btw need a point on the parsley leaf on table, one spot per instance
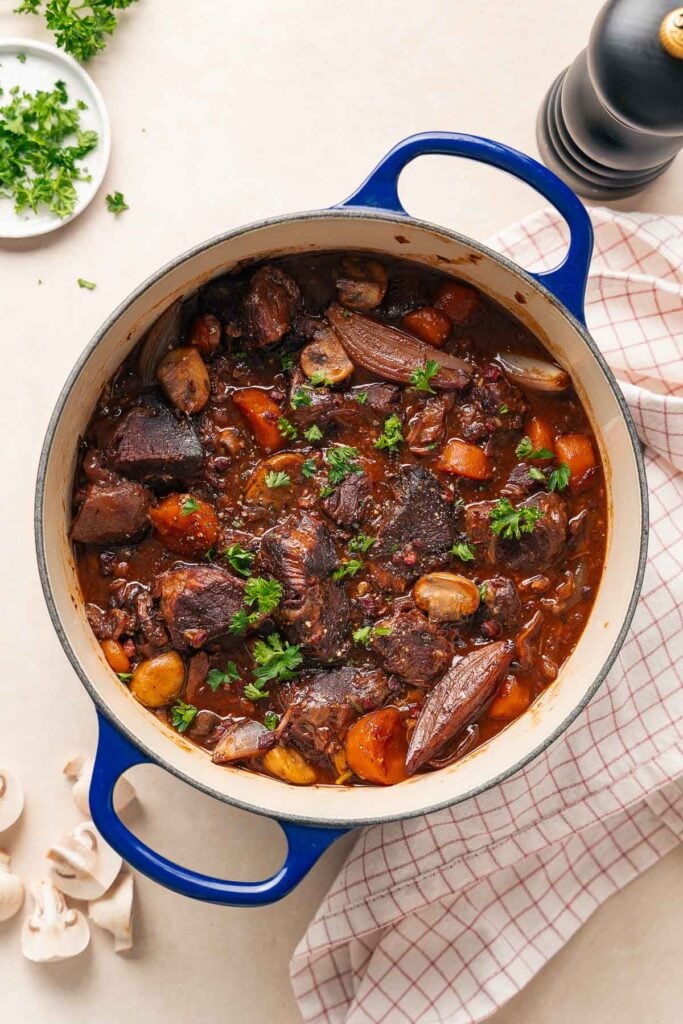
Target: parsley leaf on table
(116, 203)
(89, 286)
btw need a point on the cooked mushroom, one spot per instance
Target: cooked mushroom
(11, 800)
(83, 865)
(393, 355)
(243, 740)
(11, 889)
(362, 283)
(533, 374)
(184, 378)
(325, 358)
(446, 596)
(266, 487)
(162, 336)
(114, 912)
(52, 931)
(79, 771)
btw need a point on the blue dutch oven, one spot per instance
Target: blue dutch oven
(551, 304)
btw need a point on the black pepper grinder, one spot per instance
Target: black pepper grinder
(612, 122)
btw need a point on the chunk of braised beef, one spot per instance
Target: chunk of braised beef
(150, 624)
(314, 611)
(154, 446)
(110, 624)
(501, 609)
(382, 397)
(519, 484)
(197, 671)
(270, 304)
(222, 298)
(414, 648)
(321, 706)
(419, 522)
(492, 404)
(427, 427)
(112, 512)
(532, 551)
(348, 502)
(407, 289)
(308, 405)
(198, 603)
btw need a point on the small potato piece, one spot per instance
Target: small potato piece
(446, 596)
(511, 700)
(429, 324)
(257, 491)
(115, 655)
(158, 681)
(261, 414)
(185, 379)
(577, 452)
(185, 525)
(362, 283)
(464, 459)
(206, 334)
(541, 436)
(376, 747)
(289, 765)
(325, 355)
(457, 300)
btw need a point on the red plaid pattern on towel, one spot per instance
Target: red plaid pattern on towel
(441, 919)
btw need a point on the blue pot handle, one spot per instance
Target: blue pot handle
(568, 281)
(115, 754)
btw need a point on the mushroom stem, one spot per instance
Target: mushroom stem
(114, 912)
(82, 865)
(52, 931)
(11, 889)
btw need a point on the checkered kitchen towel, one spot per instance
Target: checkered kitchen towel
(444, 918)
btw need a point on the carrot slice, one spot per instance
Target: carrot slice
(185, 525)
(429, 324)
(458, 301)
(464, 459)
(376, 747)
(115, 655)
(577, 452)
(512, 699)
(541, 435)
(262, 415)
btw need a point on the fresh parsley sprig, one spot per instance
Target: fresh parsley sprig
(221, 677)
(183, 715)
(526, 450)
(80, 27)
(420, 378)
(392, 436)
(239, 559)
(510, 523)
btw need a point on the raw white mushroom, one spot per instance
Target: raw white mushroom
(11, 800)
(52, 931)
(11, 889)
(114, 912)
(79, 770)
(83, 865)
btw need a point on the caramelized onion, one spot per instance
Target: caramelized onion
(243, 740)
(391, 354)
(532, 374)
(163, 335)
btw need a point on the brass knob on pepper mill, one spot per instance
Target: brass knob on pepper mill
(612, 122)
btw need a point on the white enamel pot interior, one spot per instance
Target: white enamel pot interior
(519, 293)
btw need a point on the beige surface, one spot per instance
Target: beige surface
(223, 113)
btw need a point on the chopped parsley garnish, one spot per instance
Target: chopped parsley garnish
(239, 622)
(361, 397)
(503, 409)
(239, 558)
(125, 677)
(341, 462)
(392, 436)
(366, 634)
(509, 522)
(349, 567)
(271, 720)
(465, 552)
(217, 677)
(42, 146)
(308, 468)
(262, 593)
(188, 506)
(300, 398)
(421, 377)
(286, 361)
(252, 691)
(21, 57)
(559, 478)
(287, 429)
(79, 28)
(88, 285)
(313, 433)
(319, 379)
(277, 479)
(116, 203)
(275, 660)
(182, 715)
(361, 542)
(536, 474)
(482, 591)
(526, 450)
(326, 491)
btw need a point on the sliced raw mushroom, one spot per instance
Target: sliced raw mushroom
(114, 912)
(260, 489)
(83, 865)
(243, 740)
(79, 771)
(11, 800)
(325, 357)
(532, 374)
(184, 378)
(362, 283)
(162, 336)
(446, 596)
(11, 889)
(52, 931)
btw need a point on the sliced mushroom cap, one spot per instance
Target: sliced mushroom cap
(446, 596)
(79, 771)
(243, 740)
(11, 800)
(114, 912)
(52, 931)
(162, 336)
(325, 355)
(11, 889)
(532, 374)
(257, 491)
(83, 865)
(184, 378)
(362, 283)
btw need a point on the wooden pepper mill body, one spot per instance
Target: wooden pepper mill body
(613, 120)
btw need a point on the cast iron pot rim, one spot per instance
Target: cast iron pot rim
(332, 214)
